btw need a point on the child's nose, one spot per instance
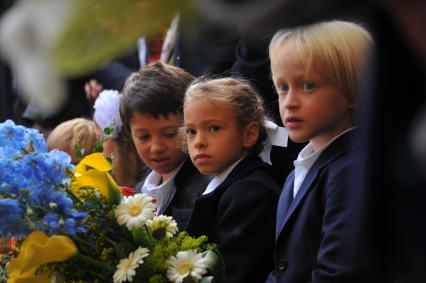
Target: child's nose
(200, 141)
(157, 146)
(291, 100)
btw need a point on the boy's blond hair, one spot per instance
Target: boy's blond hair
(79, 130)
(336, 49)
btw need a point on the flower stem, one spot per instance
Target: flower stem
(93, 262)
(142, 236)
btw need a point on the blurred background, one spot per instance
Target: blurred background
(57, 55)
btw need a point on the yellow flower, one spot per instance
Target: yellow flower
(92, 172)
(36, 250)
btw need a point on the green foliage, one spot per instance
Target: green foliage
(108, 131)
(99, 30)
(79, 152)
(156, 262)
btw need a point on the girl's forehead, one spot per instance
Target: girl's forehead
(204, 100)
(207, 108)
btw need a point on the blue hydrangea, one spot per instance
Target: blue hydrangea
(55, 223)
(11, 218)
(33, 184)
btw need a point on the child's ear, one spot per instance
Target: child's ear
(251, 134)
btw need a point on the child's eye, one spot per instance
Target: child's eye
(190, 132)
(143, 137)
(283, 89)
(170, 134)
(214, 128)
(308, 86)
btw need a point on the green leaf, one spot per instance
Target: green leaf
(142, 237)
(208, 279)
(108, 131)
(79, 152)
(100, 30)
(215, 265)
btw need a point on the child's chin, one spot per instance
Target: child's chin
(204, 171)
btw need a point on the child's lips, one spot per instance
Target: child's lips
(202, 158)
(293, 122)
(160, 161)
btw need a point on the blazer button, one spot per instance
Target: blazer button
(281, 265)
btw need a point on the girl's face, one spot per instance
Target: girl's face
(311, 109)
(157, 142)
(214, 138)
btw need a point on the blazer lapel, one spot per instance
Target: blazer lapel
(208, 202)
(304, 188)
(340, 146)
(284, 203)
(245, 167)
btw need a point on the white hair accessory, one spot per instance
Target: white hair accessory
(107, 113)
(277, 136)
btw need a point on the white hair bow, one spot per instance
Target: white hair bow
(277, 136)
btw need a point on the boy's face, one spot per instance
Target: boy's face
(157, 142)
(311, 109)
(213, 136)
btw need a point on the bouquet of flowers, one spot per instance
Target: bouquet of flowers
(75, 224)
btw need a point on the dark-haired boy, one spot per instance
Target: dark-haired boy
(151, 109)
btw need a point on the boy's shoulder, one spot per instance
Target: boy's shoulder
(190, 184)
(139, 184)
(344, 149)
(188, 173)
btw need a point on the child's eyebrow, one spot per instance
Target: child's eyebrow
(204, 122)
(212, 121)
(170, 128)
(140, 129)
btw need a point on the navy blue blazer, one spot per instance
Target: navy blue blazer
(239, 215)
(311, 230)
(189, 184)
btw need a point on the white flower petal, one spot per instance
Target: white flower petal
(186, 263)
(163, 222)
(126, 268)
(135, 210)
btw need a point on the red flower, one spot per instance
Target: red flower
(126, 191)
(8, 245)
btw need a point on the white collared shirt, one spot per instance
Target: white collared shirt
(153, 188)
(306, 159)
(217, 180)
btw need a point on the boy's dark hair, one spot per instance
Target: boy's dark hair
(156, 90)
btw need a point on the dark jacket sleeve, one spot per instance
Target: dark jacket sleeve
(333, 261)
(246, 225)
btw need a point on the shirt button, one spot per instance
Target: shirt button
(281, 265)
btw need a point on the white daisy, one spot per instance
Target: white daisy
(184, 264)
(161, 226)
(135, 210)
(126, 269)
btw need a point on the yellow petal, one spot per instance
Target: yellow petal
(42, 278)
(96, 161)
(101, 181)
(92, 171)
(38, 249)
